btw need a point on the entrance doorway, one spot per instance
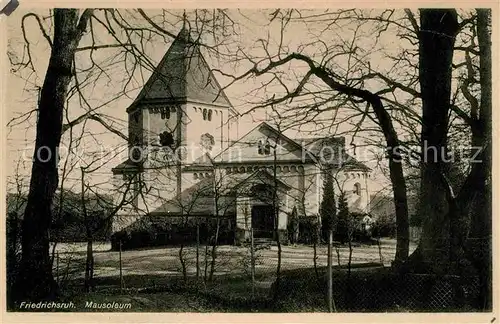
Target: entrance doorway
(263, 221)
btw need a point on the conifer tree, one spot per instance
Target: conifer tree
(328, 209)
(343, 219)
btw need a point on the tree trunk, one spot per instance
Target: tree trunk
(276, 208)
(205, 269)
(89, 265)
(394, 154)
(330, 265)
(214, 247)
(35, 280)
(315, 259)
(437, 38)
(480, 236)
(183, 263)
(401, 205)
(197, 251)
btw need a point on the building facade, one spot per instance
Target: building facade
(182, 162)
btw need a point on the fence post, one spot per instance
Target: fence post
(252, 262)
(120, 261)
(330, 284)
(338, 255)
(380, 251)
(197, 251)
(57, 267)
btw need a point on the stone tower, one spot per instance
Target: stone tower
(181, 109)
(181, 99)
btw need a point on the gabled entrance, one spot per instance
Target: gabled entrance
(263, 224)
(261, 202)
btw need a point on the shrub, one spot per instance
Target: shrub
(141, 238)
(384, 226)
(308, 230)
(174, 231)
(116, 238)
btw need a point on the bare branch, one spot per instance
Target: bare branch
(413, 21)
(97, 47)
(42, 29)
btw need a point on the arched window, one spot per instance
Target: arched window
(357, 189)
(261, 147)
(165, 113)
(264, 147)
(204, 114)
(267, 148)
(166, 139)
(209, 115)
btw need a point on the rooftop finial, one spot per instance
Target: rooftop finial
(184, 19)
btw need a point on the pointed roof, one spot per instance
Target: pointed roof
(197, 199)
(294, 149)
(183, 75)
(310, 148)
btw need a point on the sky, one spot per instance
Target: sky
(252, 26)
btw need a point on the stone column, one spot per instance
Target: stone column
(243, 220)
(282, 225)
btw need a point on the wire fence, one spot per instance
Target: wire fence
(362, 279)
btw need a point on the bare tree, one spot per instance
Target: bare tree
(342, 75)
(73, 34)
(345, 92)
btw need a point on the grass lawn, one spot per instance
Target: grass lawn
(226, 293)
(153, 278)
(232, 260)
